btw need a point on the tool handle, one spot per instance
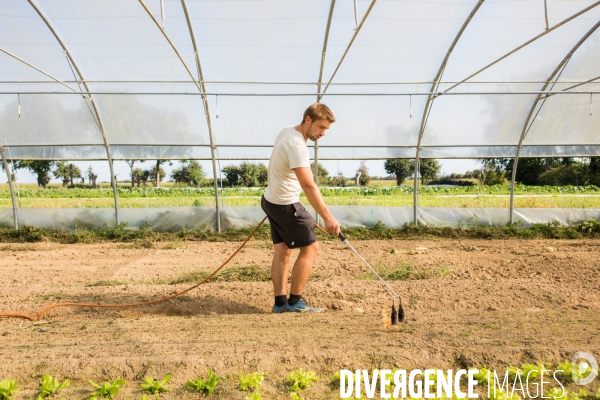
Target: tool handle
(342, 237)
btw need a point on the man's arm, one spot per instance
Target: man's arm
(315, 199)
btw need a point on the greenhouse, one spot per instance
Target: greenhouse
(218, 80)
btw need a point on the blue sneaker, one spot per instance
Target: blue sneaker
(279, 310)
(302, 307)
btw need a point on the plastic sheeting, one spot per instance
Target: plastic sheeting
(275, 49)
(177, 218)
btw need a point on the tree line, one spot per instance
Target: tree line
(530, 171)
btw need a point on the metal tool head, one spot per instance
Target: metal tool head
(394, 315)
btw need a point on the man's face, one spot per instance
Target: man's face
(316, 129)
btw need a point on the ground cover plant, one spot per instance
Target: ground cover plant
(107, 389)
(8, 387)
(251, 381)
(152, 386)
(50, 386)
(299, 380)
(206, 386)
(553, 230)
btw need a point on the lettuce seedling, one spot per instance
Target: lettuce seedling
(482, 375)
(207, 386)
(8, 387)
(255, 396)
(251, 381)
(50, 386)
(151, 386)
(300, 380)
(294, 396)
(107, 390)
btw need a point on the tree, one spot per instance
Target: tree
(232, 173)
(159, 173)
(399, 167)
(322, 173)
(429, 168)
(190, 173)
(253, 174)
(156, 173)
(138, 176)
(362, 174)
(66, 172)
(91, 176)
(338, 180)
(131, 163)
(491, 175)
(41, 168)
(247, 174)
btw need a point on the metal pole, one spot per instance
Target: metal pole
(202, 88)
(97, 118)
(546, 13)
(12, 192)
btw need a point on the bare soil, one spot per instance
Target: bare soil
(469, 303)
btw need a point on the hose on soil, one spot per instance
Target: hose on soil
(145, 303)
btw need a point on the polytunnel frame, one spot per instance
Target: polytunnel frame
(97, 117)
(527, 125)
(433, 95)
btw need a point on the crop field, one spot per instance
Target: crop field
(170, 196)
(469, 303)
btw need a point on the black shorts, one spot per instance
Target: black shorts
(290, 223)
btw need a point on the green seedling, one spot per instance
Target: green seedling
(598, 394)
(8, 387)
(294, 396)
(50, 386)
(251, 381)
(151, 386)
(107, 390)
(556, 393)
(144, 397)
(300, 380)
(566, 370)
(255, 396)
(482, 375)
(207, 386)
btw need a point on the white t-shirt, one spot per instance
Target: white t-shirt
(290, 151)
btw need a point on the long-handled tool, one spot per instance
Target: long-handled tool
(396, 316)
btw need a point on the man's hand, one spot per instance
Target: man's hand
(332, 226)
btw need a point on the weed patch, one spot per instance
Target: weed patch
(406, 272)
(250, 273)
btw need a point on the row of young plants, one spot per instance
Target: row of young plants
(589, 229)
(295, 382)
(136, 192)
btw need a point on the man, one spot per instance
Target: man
(291, 225)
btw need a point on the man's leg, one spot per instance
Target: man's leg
(280, 268)
(302, 267)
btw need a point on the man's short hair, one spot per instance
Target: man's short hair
(317, 112)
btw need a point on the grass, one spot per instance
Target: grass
(405, 272)
(393, 196)
(108, 283)
(146, 238)
(250, 273)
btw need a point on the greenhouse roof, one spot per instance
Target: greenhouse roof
(166, 79)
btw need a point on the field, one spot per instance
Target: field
(469, 303)
(376, 195)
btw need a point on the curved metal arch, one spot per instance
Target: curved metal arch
(319, 84)
(39, 70)
(97, 118)
(542, 98)
(429, 104)
(206, 110)
(561, 23)
(362, 22)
